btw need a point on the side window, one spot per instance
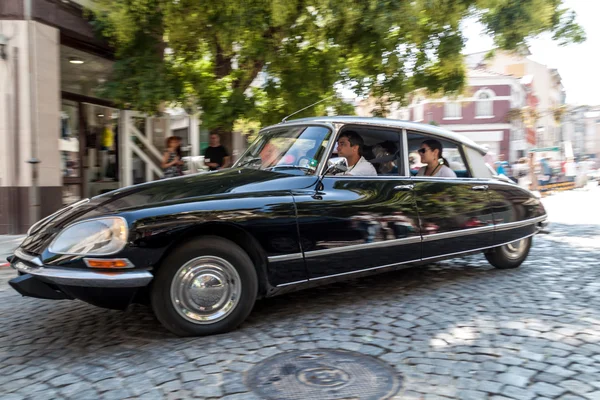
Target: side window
(450, 151)
(381, 148)
(479, 168)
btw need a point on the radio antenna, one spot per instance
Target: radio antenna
(314, 104)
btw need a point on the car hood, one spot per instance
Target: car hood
(191, 187)
(208, 185)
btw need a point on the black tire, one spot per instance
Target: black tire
(211, 247)
(505, 257)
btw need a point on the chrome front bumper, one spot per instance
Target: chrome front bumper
(78, 277)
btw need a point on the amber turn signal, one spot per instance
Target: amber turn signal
(108, 263)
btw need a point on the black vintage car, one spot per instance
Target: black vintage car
(202, 248)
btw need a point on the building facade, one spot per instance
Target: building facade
(481, 114)
(60, 139)
(546, 85)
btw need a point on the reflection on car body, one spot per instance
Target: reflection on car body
(200, 249)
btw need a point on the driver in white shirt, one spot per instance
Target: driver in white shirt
(350, 145)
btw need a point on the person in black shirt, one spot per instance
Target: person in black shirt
(216, 156)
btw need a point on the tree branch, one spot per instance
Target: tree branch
(222, 63)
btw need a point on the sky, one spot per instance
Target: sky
(577, 64)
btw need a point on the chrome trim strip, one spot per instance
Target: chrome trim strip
(518, 224)
(293, 283)
(409, 262)
(362, 246)
(73, 277)
(458, 233)
(24, 256)
(364, 270)
(322, 167)
(477, 249)
(285, 257)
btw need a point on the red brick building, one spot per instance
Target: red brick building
(482, 114)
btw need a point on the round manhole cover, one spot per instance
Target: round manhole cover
(324, 375)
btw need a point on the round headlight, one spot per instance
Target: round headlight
(97, 237)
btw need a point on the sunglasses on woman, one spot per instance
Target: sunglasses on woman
(423, 150)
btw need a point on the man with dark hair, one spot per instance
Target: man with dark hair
(350, 145)
(216, 156)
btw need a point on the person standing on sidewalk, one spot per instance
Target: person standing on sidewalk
(171, 162)
(216, 156)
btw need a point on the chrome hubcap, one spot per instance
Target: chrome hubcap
(516, 249)
(206, 290)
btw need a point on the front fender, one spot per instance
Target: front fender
(270, 220)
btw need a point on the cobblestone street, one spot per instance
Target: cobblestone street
(454, 329)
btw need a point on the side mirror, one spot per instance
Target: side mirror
(337, 164)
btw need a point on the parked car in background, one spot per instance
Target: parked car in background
(202, 248)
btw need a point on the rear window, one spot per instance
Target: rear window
(479, 168)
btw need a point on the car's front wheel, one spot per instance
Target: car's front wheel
(510, 255)
(206, 286)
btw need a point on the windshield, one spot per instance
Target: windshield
(292, 149)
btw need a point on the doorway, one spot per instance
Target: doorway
(89, 146)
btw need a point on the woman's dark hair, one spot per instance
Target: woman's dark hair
(169, 140)
(436, 145)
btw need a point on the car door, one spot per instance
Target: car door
(455, 213)
(357, 223)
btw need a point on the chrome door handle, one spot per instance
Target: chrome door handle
(404, 187)
(482, 187)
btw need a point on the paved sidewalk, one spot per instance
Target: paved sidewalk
(8, 243)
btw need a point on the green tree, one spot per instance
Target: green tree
(207, 55)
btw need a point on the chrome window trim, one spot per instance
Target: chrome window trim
(392, 123)
(80, 278)
(458, 233)
(406, 166)
(362, 246)
(285, 257)
(465, 156)
(26, 257)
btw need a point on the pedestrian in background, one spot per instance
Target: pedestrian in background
(216, 156)
(171, 163)
(532, 172)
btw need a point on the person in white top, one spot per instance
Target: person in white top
(350, 145)
(437, 165)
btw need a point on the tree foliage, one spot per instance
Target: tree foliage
(264, 59)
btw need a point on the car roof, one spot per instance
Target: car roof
(387, 122)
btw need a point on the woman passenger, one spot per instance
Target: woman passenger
(437, 165)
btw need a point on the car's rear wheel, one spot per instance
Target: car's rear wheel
(206, 286)
(510, 255)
